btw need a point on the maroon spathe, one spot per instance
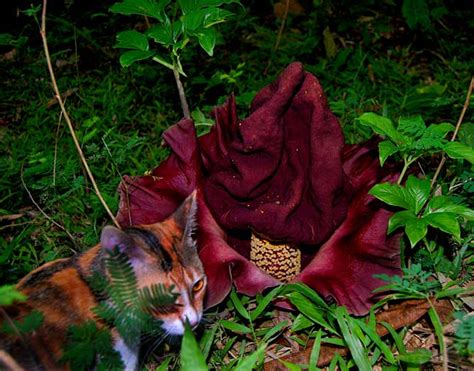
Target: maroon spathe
(285, 174)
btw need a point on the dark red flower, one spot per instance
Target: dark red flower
(283, 174)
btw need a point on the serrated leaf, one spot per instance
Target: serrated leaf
(161, 34)
(399, 219)
(446, 222)
(9, 294)
(413, 127)
(191, 356)
(207, 39)
(416, 13)
(416, 229)
(132, 40)
(132, 56)
(418, 191)
(383, 126)
(459, 151)
(149, 8)
(391, 194)
(386, 149)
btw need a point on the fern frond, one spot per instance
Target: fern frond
(123, 283)
(157, 299)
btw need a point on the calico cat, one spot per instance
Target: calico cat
(159, 253)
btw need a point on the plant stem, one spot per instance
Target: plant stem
(182, 95)
(458, 126)
(66, 115)
(404, 170)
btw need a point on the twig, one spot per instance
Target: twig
(40, 209)
(182, 95)
(280, 33)
(458, 126)
(8, 361)
(66, 115)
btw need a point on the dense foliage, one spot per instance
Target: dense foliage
(380, 63)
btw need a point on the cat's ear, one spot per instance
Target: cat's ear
(112, 237)
(185, 216)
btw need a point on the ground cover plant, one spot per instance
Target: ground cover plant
(401, 70)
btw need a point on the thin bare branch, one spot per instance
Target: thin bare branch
(458, 126)
(66, 115)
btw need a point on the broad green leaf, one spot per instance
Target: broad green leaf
(416, 13)
(413, 127)
(9, 294)
(309, 310)
(132, 40)
(416, 357)
(399, 219)
(386, 149)
(391, 194)
(207, 39)
(238, 305)
(383, 126)
(130, 57)
(306, 291)
(439, 130)
(416, 229)
(358, 351)
(444, 204)
(459, 151)
(161, 33)
(235, 327)
(191, 5)
(446, 222)
(190, 355)
(249, 362)
(203, 18)
(418, 191)
(149, 8)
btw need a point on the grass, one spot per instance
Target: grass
(48, 209)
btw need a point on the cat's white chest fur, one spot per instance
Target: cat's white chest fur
(128, 355)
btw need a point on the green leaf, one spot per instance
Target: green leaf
(290, 366)
(413, 127)
(416, 357)
(416, 229)
(132, 40)
(163, 62)
(416, 13)
(264, 303)
(9, 294)
(203, 18)
(445, 204)
(391, 194)
(309, 310)
(274, 330)
(383, 126)
(149, 8)
(386, 149)
(418, 191)
(27, 324)
(314, 356)
(207, 39)
(161, 34)
(191, 5)
(235, 327)
(190, 356)
(459, 151)
(372, 334)
(132, 56)
(307, 291)
(446, 222)
(207, 340)
(358, 351)
(238, 305)
(248, 363)
(399, 219)
(301, 322)
(329, 43)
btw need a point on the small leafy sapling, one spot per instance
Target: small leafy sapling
(173, 24)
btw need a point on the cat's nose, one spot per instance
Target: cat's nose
(192, 318)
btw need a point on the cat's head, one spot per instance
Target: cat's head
(166, 253)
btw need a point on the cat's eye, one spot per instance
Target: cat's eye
(198, 285)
